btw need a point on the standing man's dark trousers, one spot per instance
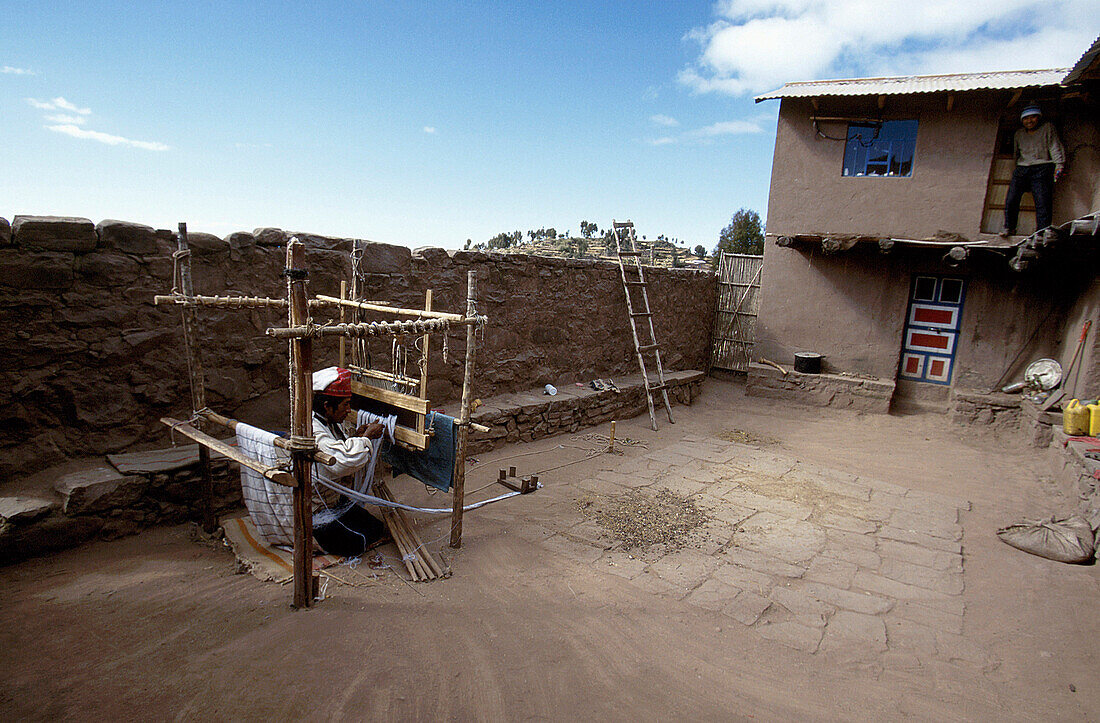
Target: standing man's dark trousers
(1039, 179)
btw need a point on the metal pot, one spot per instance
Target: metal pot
(807, 362)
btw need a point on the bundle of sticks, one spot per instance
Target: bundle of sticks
(414, 553)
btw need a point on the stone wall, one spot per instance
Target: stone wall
(91, 364)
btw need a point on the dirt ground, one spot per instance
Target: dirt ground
(544, 618)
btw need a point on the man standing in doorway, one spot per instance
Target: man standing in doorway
(1039, 163)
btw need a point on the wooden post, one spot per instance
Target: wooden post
(464, 414)
(343, 339)
(195, 374)
(301, 427)
(425, 342)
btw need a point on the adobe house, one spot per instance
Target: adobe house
(882, 251)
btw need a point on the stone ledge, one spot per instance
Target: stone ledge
(820, 390)
(100, 501)
(971, 406)
(527, 416)
(1077, 475)
(1037, 426)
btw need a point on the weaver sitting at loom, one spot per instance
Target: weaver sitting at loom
(340, 526)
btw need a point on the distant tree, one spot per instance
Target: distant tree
(677, 262)
(588, 230)
(701, 251)
(743, 235)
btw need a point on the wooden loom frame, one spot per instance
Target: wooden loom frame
(300, 333)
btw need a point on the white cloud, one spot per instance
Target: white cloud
(78, 132)
(429, 129)
(69, 125)
(706, 134)
(58, 103)
(726, 128)
(758, 45)
(9, 70)
(664, 120)
(67, 119)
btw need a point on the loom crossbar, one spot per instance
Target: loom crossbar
(276, 475)
(372, 306)
(231, 424)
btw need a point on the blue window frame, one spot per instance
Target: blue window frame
(880, 150)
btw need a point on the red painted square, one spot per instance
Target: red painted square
(930, 341)
(933, 316)
(912, 365)
(935, 369)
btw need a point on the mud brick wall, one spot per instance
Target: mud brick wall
(90, 364)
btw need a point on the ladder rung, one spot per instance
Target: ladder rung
(647, 347)
(635, 283)
(658, 387)
(630, 253)
(641, 313)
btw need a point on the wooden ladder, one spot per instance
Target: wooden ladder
(634, 282)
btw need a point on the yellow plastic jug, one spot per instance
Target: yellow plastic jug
(1094, 418)
(1075, 419)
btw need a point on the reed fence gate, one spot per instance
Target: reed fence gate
(738, 305)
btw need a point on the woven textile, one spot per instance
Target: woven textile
(270, 506)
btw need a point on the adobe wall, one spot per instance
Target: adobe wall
(851, 308)
(946, 191)
(91, 364)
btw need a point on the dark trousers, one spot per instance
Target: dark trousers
(1039, 180)
(351, 534)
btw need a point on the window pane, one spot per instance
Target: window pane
(880, 149)
(924, 289)
(878, 158)
(951, 291)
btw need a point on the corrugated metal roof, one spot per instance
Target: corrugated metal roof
(906, 85)
(1087, 60)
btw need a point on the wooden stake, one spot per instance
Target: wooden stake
(343, 311)
(611, 438)
(464, 414)
(425, 345)
(196, 377)
(301, 373)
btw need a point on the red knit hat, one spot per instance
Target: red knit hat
(333, 381)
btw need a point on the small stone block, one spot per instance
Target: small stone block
(793, 635)
(97, 489)
(747, 607)
(24, 509)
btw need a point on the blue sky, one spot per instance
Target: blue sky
(430, 123)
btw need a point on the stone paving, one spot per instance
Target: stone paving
(822, 561)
